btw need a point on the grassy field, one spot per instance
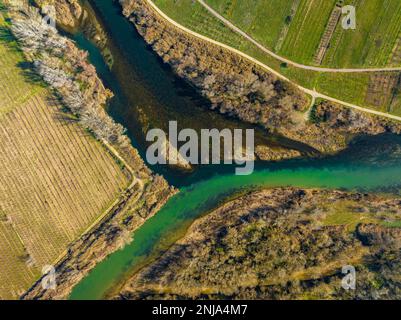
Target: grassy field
(306, 29)
(343, 214)
(372, 43)
(263, 19)
(11, 97)
(55, 178)
(352, 88)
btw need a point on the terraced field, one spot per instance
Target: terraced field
(56, 180)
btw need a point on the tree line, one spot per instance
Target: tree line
(65, 69)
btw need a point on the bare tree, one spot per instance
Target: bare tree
(68, 76)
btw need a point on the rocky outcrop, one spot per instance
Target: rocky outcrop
(240, 89)
(282, 244)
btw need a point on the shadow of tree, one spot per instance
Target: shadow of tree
(8, 39)
(63, 114)
(30, 75)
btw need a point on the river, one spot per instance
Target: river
(148, 95)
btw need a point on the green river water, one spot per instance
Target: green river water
(370, 164)
(158, 232)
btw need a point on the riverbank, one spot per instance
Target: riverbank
(282, 243)
(372, 173)
(83, 96)
(197, 199)
(240, 89)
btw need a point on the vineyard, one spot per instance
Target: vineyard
(327, 36)
(55, 178)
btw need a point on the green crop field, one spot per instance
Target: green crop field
(306, 29)
(374, 41)
(263, 19)
(349, 87)
(294, 28)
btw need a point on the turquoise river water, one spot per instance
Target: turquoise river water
(370, 164)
